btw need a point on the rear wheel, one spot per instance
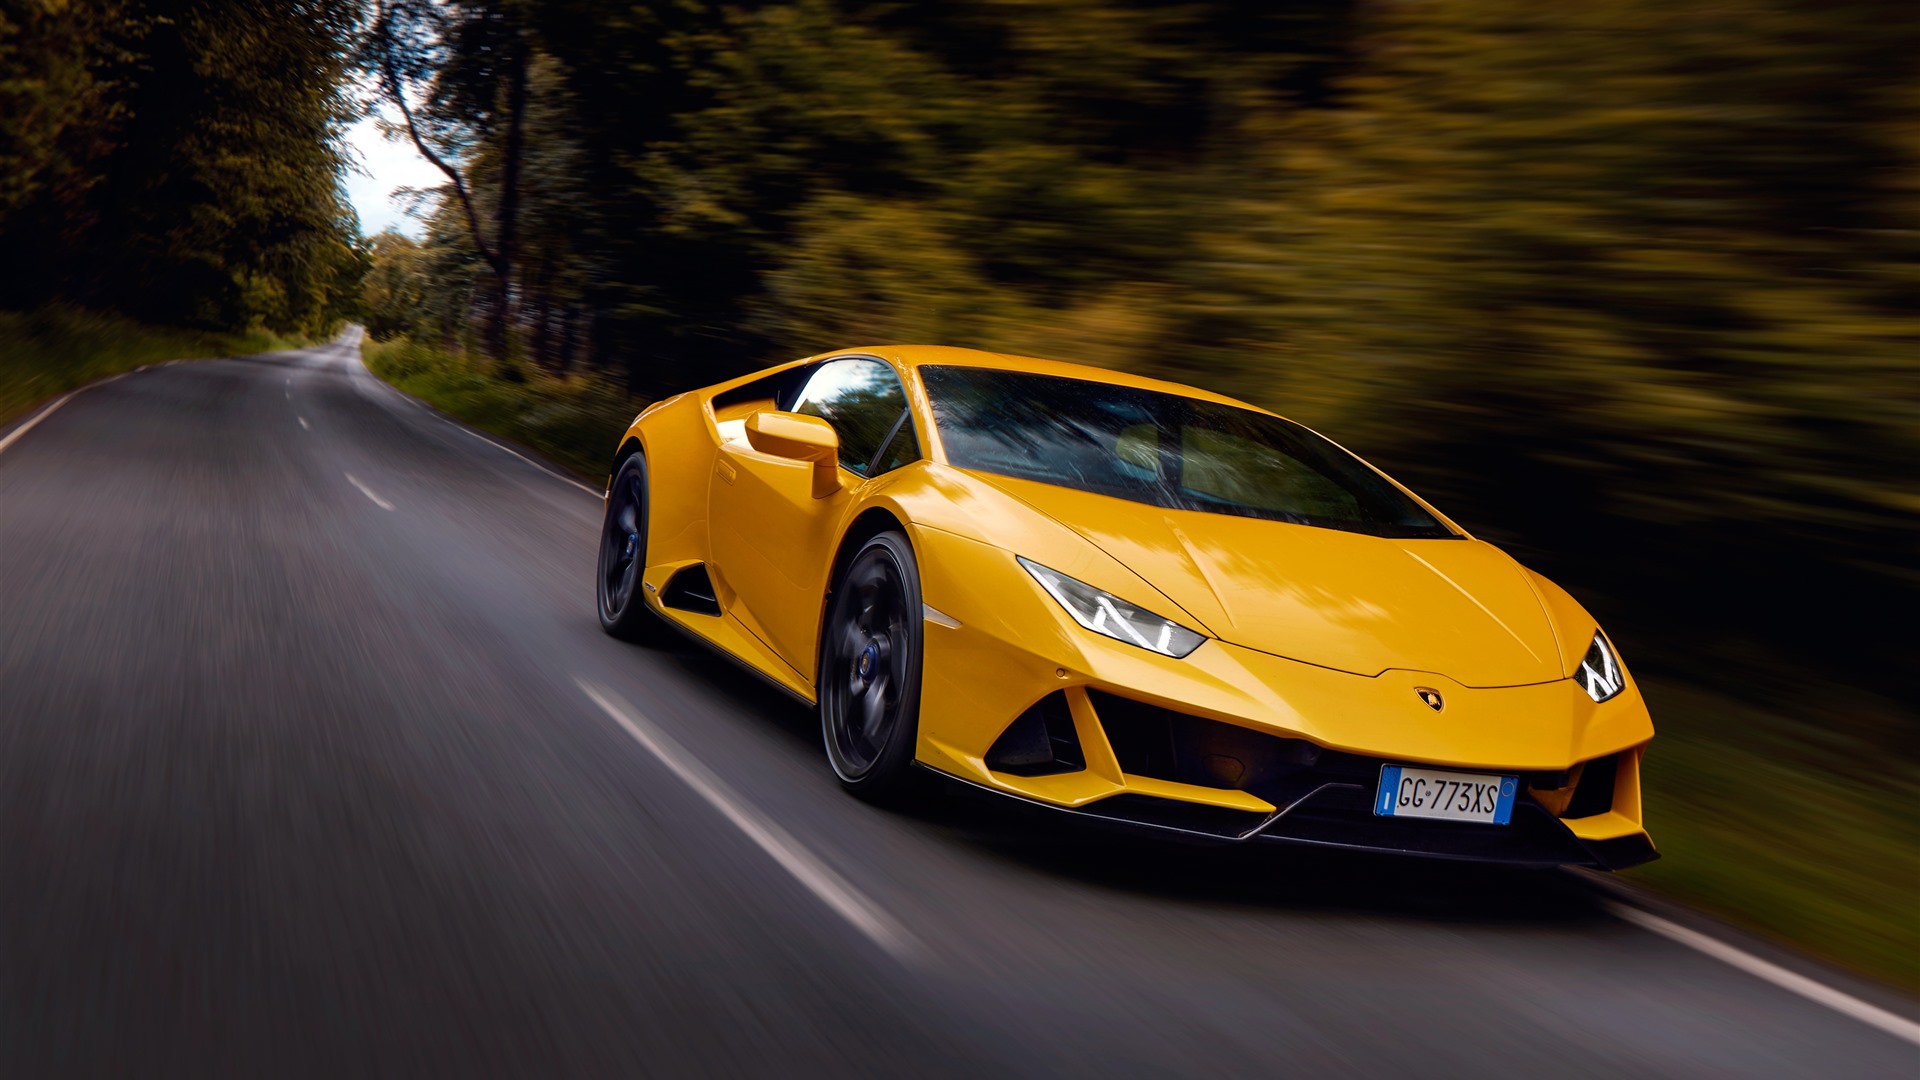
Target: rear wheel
(623, 558)
(869, 679)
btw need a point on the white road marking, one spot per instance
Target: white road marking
(59, 401)
(361, 375)
(832, 889)
(304, 424)
(521, 456)
(1813, 990)
(41, 415)
(367, 491)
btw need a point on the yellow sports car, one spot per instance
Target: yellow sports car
(1126, 599)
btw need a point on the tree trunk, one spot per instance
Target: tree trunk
(507, 214)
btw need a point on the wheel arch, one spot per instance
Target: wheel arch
(866, 525)
(629, 446)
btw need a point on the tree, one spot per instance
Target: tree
(179, 162)
(472, 60)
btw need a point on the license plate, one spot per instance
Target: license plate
(1438, 793)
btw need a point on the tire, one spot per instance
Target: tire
(869, 677)
(623, 558)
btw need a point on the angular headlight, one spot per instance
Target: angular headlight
(1599, 674)
(1105, 613)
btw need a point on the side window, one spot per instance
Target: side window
(863, 401)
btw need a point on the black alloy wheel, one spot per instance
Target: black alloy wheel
(623, 557)
(869, 679)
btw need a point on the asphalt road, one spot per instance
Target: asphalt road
(302, 773)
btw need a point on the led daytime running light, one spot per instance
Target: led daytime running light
(1104, 613)
(1599, 673)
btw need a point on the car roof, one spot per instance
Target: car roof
(917, 356)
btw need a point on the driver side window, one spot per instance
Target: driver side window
(864, 402)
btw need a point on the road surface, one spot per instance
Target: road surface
(313, 761)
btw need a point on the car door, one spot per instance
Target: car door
(773, 529)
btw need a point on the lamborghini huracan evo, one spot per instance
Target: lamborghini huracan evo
(1125, 599)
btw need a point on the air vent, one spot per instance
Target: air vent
(1040, 741)
(1166, 745)
(690, 589)
(1594, 795)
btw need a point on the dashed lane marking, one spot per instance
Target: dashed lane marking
(367, 491)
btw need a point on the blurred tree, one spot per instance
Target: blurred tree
(179, 162)
(1629, 285)
(468, 62)
(394, 291)
(1596, 275)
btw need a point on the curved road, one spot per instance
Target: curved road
(313, 761)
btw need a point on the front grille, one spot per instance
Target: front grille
(1324, 796)
(1166, 745)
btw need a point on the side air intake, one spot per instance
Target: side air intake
(1040, 742)
(690, 589)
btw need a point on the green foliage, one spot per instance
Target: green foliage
(571, 420)
(178, 161)
(46, 352)
(394, 292)
(1822, 856)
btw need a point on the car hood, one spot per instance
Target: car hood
(1356, 603)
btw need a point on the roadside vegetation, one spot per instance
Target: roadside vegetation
(572, 421)
(49, 351)
(169, 182)
(1806, 836)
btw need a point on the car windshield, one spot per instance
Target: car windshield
(1163, 450)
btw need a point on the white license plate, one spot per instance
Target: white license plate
(1439, 793)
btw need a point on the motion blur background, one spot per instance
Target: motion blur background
(1631, 287)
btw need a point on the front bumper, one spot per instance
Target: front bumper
(1277, 750)
(1333, 808)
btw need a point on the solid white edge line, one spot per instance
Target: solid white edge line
(368, 492)
(1793, 982)
(508, 449)
(29, 425)
(357, 365)
(806, 868)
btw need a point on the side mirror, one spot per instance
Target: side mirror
(799, 438)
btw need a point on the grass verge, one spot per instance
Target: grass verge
(51, 350)
(1767, 819)
(574, 421)
(1780, 825)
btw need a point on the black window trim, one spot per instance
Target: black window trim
(886, 444)
(906, 414)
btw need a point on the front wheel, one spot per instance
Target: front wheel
(869, 678)
(623, 558)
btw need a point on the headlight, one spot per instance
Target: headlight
(1105, 613)
(1599, 674)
